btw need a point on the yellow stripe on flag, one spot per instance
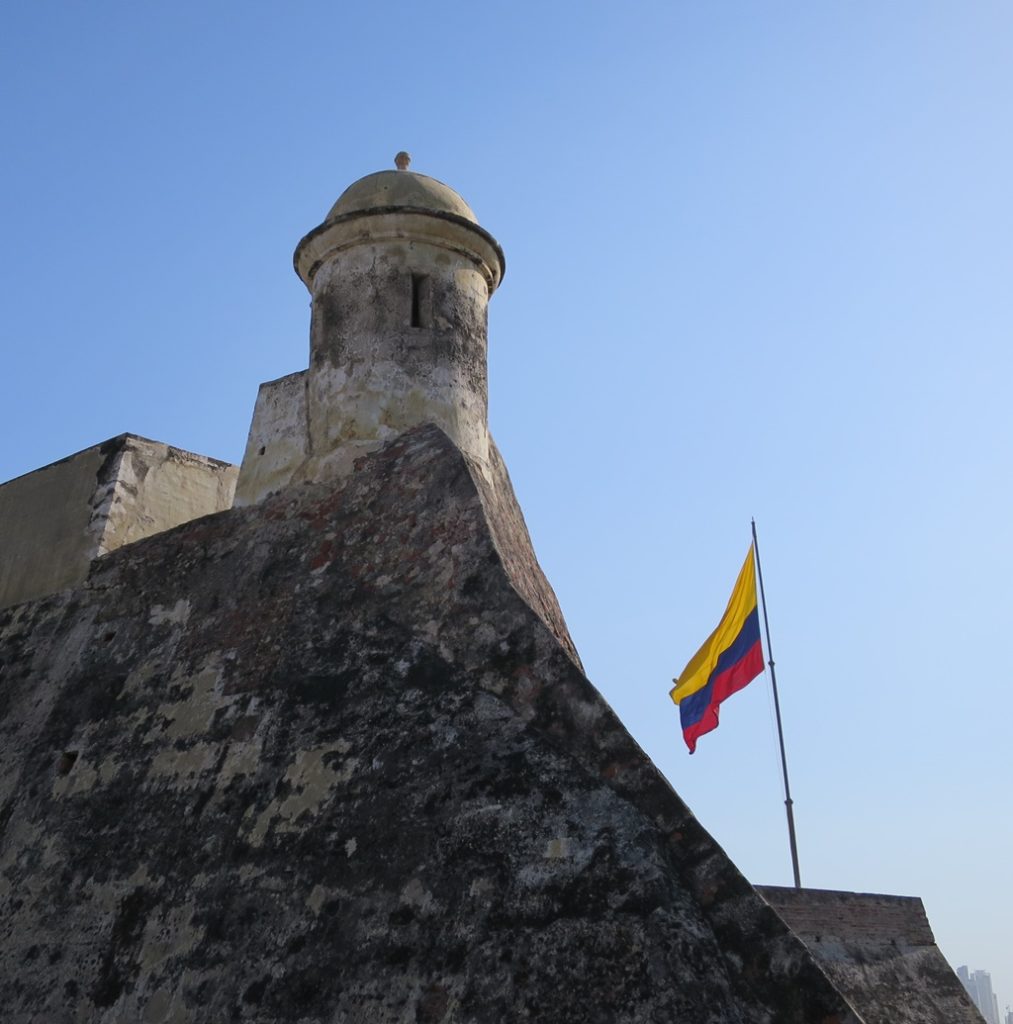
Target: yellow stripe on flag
(698, 671)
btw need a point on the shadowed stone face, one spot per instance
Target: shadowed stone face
(332, 758)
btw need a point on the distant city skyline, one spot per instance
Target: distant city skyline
(979, 987)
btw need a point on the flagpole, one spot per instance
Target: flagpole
(777, 712)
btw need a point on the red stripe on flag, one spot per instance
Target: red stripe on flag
(733, 679)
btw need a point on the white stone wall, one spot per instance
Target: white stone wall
(278, 443)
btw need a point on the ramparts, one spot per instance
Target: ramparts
(879, 951)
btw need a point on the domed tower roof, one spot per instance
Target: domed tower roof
(400, 190)
(391, 205)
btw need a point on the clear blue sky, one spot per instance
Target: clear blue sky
(759, 263)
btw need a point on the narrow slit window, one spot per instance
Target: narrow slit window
(420, 296)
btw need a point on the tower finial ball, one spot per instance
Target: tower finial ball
(402, 160)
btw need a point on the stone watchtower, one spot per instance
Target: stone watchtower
(400, 275)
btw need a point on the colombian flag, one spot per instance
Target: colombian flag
(731, 658)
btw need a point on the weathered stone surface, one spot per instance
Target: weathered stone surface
(319, 760)
(879, 951)
(56, 519)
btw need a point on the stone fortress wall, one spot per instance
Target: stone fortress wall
(55, 520)
(879, 951)
(330, 754)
